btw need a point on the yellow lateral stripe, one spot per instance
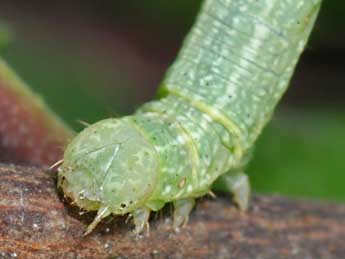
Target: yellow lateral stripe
(189, 140)
(216, 116)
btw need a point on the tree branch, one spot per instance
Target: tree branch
(34, 223)
(30, 132)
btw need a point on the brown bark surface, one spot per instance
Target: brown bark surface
(35, 223)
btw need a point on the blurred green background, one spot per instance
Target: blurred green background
(94, 59)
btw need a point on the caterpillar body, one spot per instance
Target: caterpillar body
(233, 68)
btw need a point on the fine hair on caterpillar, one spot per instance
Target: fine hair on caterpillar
(215, 99)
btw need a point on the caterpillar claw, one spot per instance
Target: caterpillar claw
(241, 191)
(101, 214)
(212, 194)
(238, 185)
(141, 220)
(181, 213)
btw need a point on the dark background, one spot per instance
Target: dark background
(93, 59)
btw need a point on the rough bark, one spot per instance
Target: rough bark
(35, 223)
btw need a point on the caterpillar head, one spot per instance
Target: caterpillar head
(109, 165)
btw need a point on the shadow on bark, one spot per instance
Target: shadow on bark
(35, 223)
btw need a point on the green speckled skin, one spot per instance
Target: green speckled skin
(95, 176)
(215, 99)
(239, 58)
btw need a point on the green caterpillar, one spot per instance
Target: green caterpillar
(216, 98)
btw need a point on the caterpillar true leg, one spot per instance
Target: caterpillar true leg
(237, 184)
(102, 213)
(141, 219)
(182, 209)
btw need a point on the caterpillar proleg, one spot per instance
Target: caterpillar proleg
(215, 99)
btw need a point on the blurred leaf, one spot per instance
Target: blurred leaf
(4, 35)
(301, 154)
(72, 90)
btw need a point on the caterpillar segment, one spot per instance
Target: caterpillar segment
(215, 99)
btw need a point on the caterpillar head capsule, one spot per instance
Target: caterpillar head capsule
(110, 167)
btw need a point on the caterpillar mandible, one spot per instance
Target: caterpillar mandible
(234, 67)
